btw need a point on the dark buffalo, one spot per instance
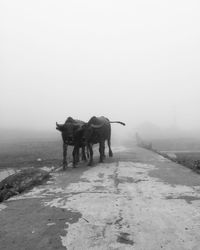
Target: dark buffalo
(98, 130)
(71, 132)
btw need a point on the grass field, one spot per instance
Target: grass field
(186, 150)
(189, 159)
(31, 154)
(40, 152)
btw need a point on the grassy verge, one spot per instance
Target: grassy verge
(188, 159)
(22, 181)
(31, 154)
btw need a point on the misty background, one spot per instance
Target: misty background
(134, 61)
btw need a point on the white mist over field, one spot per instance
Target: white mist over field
(133, 61)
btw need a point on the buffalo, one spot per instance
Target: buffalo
(98, 130)
(71, 132)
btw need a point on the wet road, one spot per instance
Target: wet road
(135, 200)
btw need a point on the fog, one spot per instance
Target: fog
(134, 61)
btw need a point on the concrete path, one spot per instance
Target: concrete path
(136, 200)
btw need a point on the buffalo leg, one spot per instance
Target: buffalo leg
(104, 150)
(101, 151)
(83, 154)
(110, 151)
(75, 156)
(91, 155)
(88, 152)
(64, 156)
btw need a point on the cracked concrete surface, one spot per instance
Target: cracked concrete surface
(128, 202)
(131, 209)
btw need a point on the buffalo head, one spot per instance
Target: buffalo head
(90, 132)
(68, 130)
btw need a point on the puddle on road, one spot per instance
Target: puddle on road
(124, 239)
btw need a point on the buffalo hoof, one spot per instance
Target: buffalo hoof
(74, 164)
(110, 154)
(64, 168)
(64, 165)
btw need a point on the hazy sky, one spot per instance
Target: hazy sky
(129, 60)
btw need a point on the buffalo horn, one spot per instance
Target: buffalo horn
(59, 125)
(96, 126)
